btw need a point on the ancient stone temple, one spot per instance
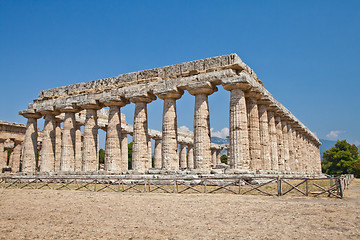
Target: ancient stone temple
(11, 138)
(264, 135)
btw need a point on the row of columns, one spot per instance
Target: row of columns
(15, 155)
(260, 138)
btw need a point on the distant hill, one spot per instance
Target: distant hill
(218, 140)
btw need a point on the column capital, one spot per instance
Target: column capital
(30, 113)
(71, 108)
(121, 102)
(144, 99)
(203, 88)
(91, 104)
(173, 94)
(253, 93)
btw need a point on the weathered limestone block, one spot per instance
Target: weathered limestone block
(190, 157)
(279, 138)
(29, 155)
(48, 144)
(157, 153)
(254, 133)
(202, 152)
(264, 138)
(183, 160)
(90, 158)
(285, 135)
(113, 157)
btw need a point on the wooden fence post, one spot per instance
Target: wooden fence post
(279, 187)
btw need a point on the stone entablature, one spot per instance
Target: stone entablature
(263, 133)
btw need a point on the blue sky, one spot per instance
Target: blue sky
(305, 52)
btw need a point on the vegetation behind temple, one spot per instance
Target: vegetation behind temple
(343, 158)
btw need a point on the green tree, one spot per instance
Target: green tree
(343, 158)
(223, 158)
(101, 156)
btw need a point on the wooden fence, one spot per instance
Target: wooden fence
(271, 186)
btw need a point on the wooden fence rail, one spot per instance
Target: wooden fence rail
(270, 186)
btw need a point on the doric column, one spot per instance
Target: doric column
(213, 157)
(48, 143)
(124, 150)
(285, 134)
(264, 137)
(67, 160)
(90, 159)
(57, 145)
(273, 142)
(140, 154)
(202, 152)
(299, 157)
(183, 161)
(149, 163)
(114, 161)
(292, 158)
(305, 164)
(279, 137)
(218, 156)
(190, 156)
(254, 130)
(15, 156)
(78, 148)
(238, 151)
(29, 156)
(2, 155)
(169, 149)
(157, 153)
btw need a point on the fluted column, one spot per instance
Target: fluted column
(299, 157)
(292, 159)
(202, 152)
(218, 156)
(238, 151)
(2, 155)
(90, 160)
(183, 161)
(67, 160)
(57, 145)
(190, 157)
(169, 149)
(78, 148)
(285, 135)
(265, 157)
(29, 156)
(114, 161)
(254, 132)
(48, 144)
(279, 137)
(305, 164)
(124, 150)
(149, 163)
(213, 157)
(140, 154)
(15, 157)
(157, 153)
(273, 142)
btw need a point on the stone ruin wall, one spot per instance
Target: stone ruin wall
(264, 135)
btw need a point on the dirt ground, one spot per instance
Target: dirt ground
(64, 214)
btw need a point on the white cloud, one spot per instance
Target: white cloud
(184, 128)
(333, 135)
(223, 133)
